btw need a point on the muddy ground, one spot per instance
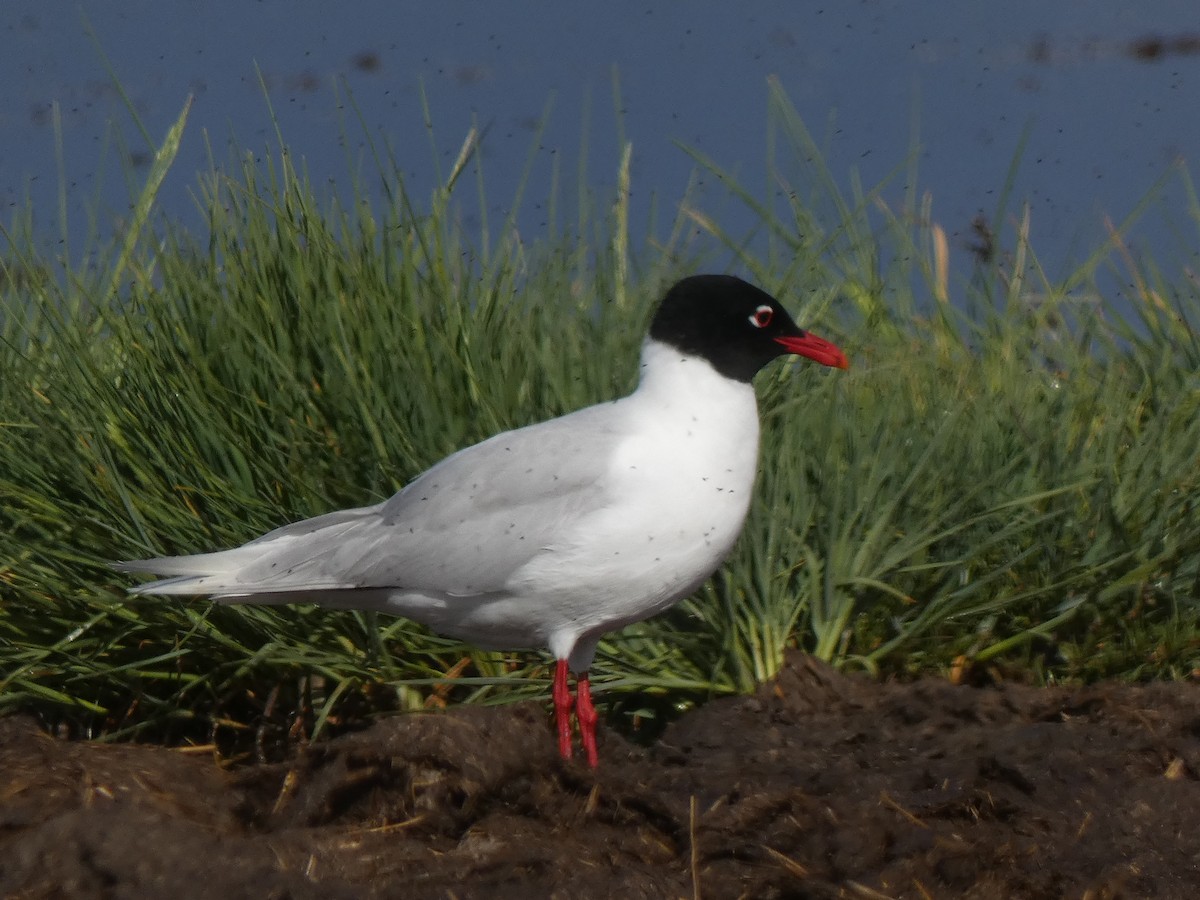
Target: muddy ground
(821, 785)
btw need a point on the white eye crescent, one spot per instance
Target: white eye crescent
(762, 316)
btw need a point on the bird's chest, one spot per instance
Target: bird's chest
(680, 490)
(691, 477)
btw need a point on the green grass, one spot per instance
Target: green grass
(1006, 478)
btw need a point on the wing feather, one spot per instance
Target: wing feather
(461, 528)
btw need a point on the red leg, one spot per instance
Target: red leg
(562, 709)
(586, 713)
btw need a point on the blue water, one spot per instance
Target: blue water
(1109, 111)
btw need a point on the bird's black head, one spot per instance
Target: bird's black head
(737, 327)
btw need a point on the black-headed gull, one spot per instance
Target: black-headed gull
(552, 535)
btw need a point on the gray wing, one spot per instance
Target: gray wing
(461, 528)
(472, 520)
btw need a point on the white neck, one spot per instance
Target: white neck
(679, 391)
(665, 368)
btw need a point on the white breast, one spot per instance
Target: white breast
(680, 485)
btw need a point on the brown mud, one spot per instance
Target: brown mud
(820, 785)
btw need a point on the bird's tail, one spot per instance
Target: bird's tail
(201, 573)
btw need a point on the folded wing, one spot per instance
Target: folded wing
(462, 528)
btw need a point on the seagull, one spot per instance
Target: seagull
(552, 535)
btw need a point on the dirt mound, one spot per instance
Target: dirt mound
(819, 785)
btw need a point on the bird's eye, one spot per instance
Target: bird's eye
(762, 316)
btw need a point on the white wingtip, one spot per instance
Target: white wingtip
(201, 573)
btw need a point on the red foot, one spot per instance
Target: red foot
(586, 713)
(562, 709)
